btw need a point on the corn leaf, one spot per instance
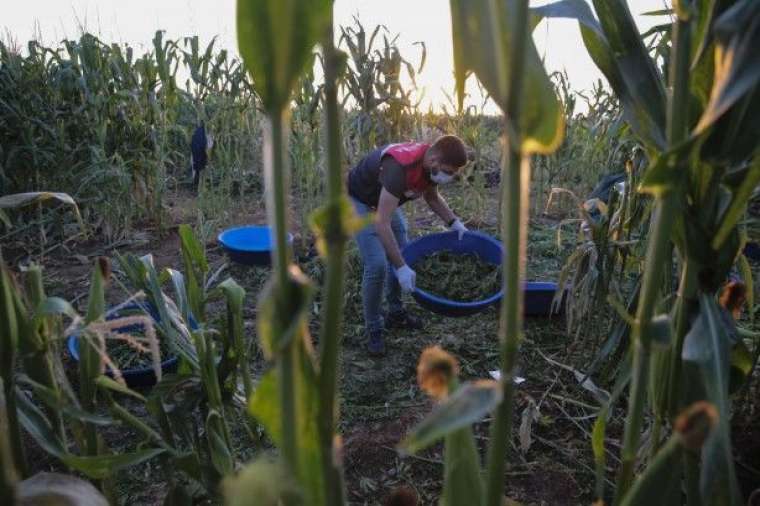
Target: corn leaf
(37, 425)
(114, 386)
(8, 472)
(707, 345)
(103, 466)
(17, 200)
(275, 39)
(265, 406)
(235, 296)
(275, 334)
(599, 431)
(462, 481)
(738, 206)
(746, 273)
(180, 290)
(660, 484)
(737, 61)
(482, 38)
(326, 231)
(196, 267)
(617, 50)
(469, 404)
(8, 324)
(221, 457)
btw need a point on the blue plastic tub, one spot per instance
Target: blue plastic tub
(484, 246)
(538, 294)
(250, 245)
(139, 376)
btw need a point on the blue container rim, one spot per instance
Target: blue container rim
(449, 304)
(223, 236)
(72, 342)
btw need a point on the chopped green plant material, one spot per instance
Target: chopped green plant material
(459, 277)
(131, 354)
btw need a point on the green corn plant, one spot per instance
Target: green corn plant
(702, 171)
(492, 39)
(372, 80)
(8, 355)
(118, 121)
(40, 381)
(9, 476)
(206, 388)
(296, 400)
(460, 406)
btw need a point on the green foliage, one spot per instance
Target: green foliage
(111, 127)
(276, 39)
(483, 43)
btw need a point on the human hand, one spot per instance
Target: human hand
(458, 227)
(406, 278)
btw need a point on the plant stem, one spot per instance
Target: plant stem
(514, 215)
(658, 249)
(330, 335)
(276, 169)
(276, 172)
(684, 308)
(8, 477)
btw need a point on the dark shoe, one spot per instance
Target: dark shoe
(403, 320)
(376, 344)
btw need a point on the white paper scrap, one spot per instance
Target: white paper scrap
(497, 375)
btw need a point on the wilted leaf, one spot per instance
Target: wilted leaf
(529, 415)
(54, 489)
(17, 200)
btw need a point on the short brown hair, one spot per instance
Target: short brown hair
(451, 150)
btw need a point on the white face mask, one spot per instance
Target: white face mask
(441, 178)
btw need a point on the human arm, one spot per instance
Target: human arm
(387, 204)
(385, 208)
(439, 206)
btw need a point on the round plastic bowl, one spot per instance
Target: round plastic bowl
(249, 245)
(484, 246)
(139, 376)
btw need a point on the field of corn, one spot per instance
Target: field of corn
(644, 391)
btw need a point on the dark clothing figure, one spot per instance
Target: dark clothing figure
(604, 187)
(199, 146)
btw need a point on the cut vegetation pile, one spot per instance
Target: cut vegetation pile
(458, 277)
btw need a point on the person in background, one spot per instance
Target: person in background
(381, 182)
(200, 145)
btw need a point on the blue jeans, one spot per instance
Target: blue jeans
(378, 271)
